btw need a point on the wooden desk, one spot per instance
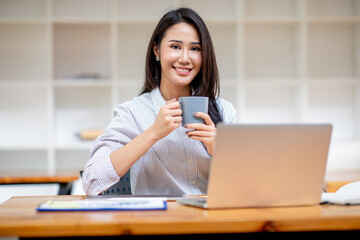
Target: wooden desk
(336, 179)
(37, 177)
(19, 217)
(64, 179)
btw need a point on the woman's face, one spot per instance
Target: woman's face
(180, 55)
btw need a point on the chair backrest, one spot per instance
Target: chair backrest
(122, 187)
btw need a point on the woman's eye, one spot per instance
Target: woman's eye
(174, 46)
(196, 49)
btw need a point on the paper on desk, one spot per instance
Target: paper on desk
(104, 205)
(340, 199)
(137, 199)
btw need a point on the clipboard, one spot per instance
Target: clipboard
(104, 205)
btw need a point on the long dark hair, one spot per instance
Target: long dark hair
(206, 82)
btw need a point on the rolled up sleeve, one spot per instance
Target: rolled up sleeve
(99, 173)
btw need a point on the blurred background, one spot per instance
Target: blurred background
(65, 65)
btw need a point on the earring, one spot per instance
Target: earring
(157, 59)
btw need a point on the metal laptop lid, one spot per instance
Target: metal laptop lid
(268, 165)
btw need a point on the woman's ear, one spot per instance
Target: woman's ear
(156, 50)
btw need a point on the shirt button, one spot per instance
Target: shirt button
(190, 160)
(193, 182)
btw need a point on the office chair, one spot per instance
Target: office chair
(122, 187)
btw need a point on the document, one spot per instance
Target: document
(104, 204)
(340, 199)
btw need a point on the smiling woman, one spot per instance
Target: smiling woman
(206, 83)
(145, 135)
(180, 58)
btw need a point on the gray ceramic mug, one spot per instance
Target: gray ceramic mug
(191, 105)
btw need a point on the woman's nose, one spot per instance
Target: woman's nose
(184, 57)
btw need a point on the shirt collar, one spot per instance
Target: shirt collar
(157, 100)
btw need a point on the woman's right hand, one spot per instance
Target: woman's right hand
(168, 119)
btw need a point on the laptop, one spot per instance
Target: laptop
(266, 165)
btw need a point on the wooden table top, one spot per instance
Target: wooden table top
(20, 177)
(19, 217)
(336, 179)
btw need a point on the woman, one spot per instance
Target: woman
(146, 134)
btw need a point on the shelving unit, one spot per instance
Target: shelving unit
(65, 65)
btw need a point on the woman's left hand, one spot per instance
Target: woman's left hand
(206, 133)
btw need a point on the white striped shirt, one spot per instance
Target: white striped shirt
(173, 165)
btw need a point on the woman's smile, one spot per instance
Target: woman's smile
(182, 71)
